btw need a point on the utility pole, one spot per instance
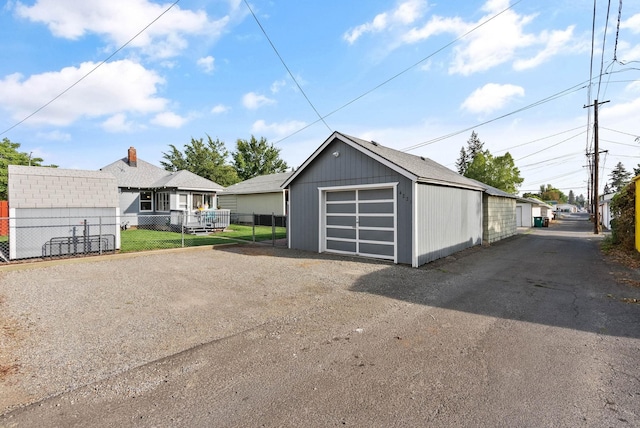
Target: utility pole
(596, 166)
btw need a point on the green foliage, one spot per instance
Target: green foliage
(256, 157)
(474, 147)
(550, 193)
(572, 197)
(481, 165)
(581, 201)
(620, 177)
(207, 159)
(9, 155)
(623, 210)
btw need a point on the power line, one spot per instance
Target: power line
(400, 73)
(321, 118)
(90, 71)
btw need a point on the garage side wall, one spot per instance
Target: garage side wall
(449, 220)
(350, 168)
(499, 218)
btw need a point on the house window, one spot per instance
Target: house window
(146, 202)
(182, 201)
(162, 201)
(201, 200)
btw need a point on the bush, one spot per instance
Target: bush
(623, 210)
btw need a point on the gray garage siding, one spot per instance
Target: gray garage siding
(449, 220)
(354, 168)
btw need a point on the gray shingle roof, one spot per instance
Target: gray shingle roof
(148, 176)
(261, 184)
(422, 169)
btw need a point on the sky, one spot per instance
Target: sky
(81, 82)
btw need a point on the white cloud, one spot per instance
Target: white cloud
(253, 101)
(169, 119)
(404, 14)
(282, 128)
(115, 87)
(492, 44)
(277, 85)
(207, 63)
(118, 123)
(632, 23)
(555, 42)
(220, 108)
(56, 135)
(119, 20)
(491, 97)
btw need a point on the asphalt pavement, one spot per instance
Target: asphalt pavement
(537, 330)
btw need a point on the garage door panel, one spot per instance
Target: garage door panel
(377, 222)
(376, 208)
(377, 235)
(341, 221)
(341, 233)
(341, 208)
(343, 195)
(341, 246)
(377, 249)
(373, 194)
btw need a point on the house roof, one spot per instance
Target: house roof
(533, 201)
(416, 168)
(148, 176)
(494, 191)
(269, 183)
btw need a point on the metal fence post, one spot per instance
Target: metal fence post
(253, 226)
(273, 229)
(182, 228)
(100, 235)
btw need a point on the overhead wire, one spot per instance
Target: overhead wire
(100, 64)
(320, 117)
(405, 70)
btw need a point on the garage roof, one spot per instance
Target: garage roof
(416, 168)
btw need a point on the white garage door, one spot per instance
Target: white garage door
(360, 221)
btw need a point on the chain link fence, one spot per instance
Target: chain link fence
(52, 237)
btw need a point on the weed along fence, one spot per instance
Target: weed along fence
(54, 237)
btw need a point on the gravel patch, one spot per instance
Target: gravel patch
(71, 323)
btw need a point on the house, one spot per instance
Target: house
(358, 197)
(604, 205)
(146, 190)
(527, 209)
(498, 214)
(256, 196)
(55, 211)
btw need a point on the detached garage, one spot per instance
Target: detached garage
(357, 197)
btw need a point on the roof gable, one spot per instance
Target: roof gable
(416, 168)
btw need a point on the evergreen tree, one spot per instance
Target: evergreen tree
(572, 198)
(620, 177)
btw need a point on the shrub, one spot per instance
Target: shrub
(623, 210)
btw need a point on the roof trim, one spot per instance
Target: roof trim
(337, 135)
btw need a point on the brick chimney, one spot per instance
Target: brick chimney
(132, 158)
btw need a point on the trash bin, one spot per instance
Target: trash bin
(546, 222)
(537, 222)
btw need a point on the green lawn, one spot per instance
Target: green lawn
(143, 239)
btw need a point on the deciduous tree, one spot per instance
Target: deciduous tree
(207, 159)
(10, 155)
(256, 157)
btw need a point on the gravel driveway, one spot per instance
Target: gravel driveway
(74, 322)
(531, 331)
